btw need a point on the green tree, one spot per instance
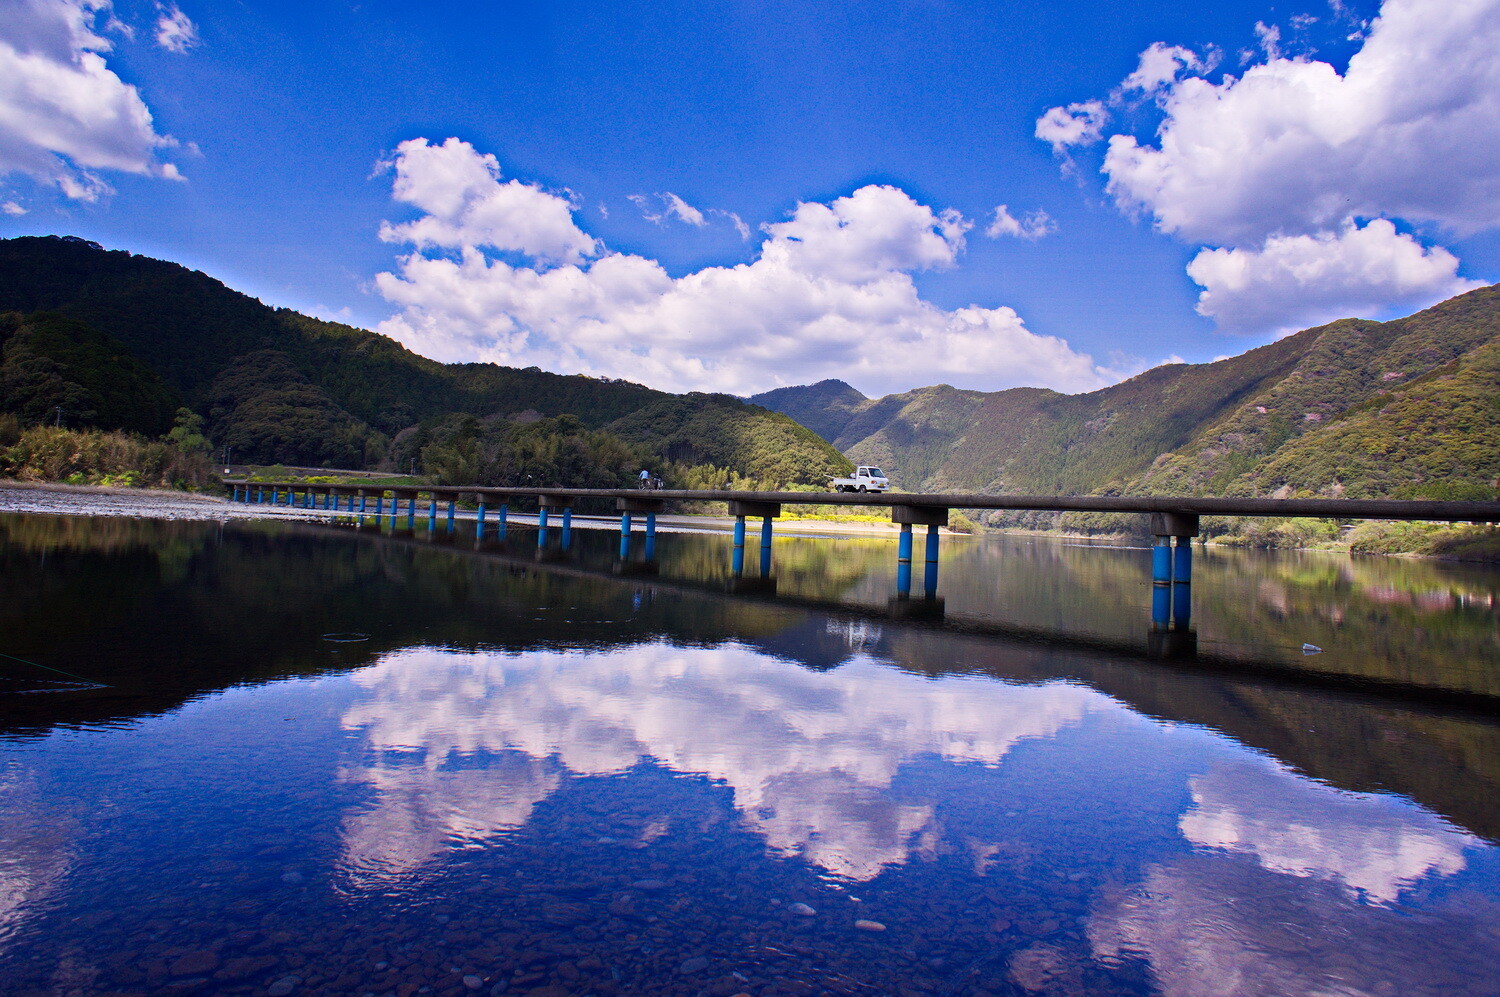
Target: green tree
(187, 434)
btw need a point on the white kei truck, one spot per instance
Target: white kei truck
(866, 479)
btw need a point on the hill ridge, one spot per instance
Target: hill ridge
(280, 386)
(1412, 394)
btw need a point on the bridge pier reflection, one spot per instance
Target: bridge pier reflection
(930, 575)
(737, 559)
(903, 562)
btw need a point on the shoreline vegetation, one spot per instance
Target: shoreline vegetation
(179, 461)
(96, 460)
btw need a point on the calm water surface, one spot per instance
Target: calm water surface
(292, 759)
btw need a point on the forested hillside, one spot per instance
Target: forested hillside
(119, 341)
(1401, 409)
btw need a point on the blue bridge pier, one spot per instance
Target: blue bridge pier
(1172, 634)
(766, 512)
(481, 513)
(548, 507)
(629, 507)
(409, 497)
(930, 605)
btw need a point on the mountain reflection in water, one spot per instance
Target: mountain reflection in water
(530, 779)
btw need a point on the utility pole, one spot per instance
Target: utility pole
(58, 423)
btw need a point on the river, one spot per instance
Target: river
(286, 758)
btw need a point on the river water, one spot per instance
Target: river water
(274, 758)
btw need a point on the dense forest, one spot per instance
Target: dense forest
(101, 339)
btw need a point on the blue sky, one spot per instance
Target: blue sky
(738, 196)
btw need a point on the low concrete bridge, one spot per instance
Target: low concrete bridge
(1170, 518)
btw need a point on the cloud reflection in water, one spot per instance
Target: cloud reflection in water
(35, 848)
(809, 756)
(1297, 893)
(1374, 845)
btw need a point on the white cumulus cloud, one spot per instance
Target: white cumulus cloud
(63, 112)
(735, 220)
(830, 294)
(1077, 124)
(464, 205)
(1160, 64)
(1281, 170)
(1269, 36)
(1297, 281)
(1030, 226)
(174, 31)
(1411, 130)
(672, 206)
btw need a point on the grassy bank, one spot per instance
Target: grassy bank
(93, 457)
(1447, 540)
(1443, 540)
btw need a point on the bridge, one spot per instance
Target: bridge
(1173, 521)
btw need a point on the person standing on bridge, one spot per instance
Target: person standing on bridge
(645, 478)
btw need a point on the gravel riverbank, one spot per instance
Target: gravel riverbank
(136, 503)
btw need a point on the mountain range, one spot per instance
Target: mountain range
(1402, 409)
